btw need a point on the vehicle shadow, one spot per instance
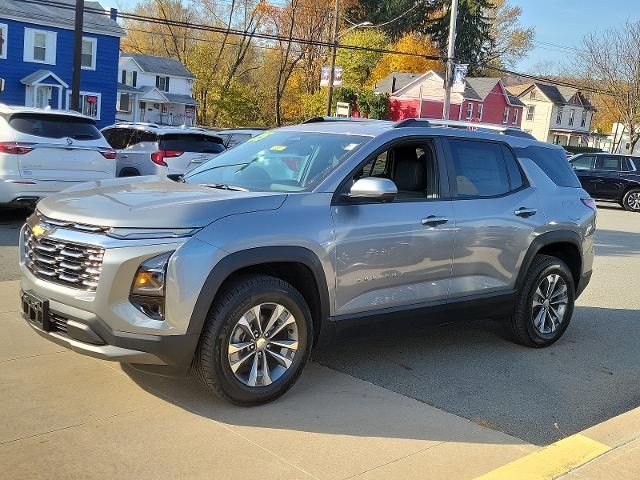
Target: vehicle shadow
(615, 243)
(468, 369)
(11, 221)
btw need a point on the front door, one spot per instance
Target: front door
(606, 177)
(584, 168)
(395, 254)
(496, 215)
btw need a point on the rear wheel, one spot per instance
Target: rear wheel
(545, 303)
(256, 342)
(631, 200)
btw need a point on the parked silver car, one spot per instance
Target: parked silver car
(237, 270)
(150, 149)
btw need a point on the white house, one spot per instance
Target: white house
(555, 114)
(155, 89)
(620, 140)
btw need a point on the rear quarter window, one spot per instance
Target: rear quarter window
(553, 162)
(54, 126)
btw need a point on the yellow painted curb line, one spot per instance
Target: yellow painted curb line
(551, 461)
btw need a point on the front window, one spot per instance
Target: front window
(278, 161)
(162, 83)
(572, 115)
(40, 46)
(559, 116)
(4, 29)
(469, 111)
(89, 104)
(515, 116)
(124, 103)
(479, 112)
(89, 53)
(583, 122)
(531, 111)
(505, 115)
(582, 162)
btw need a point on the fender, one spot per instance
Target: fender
(248, 258)
(541, 241)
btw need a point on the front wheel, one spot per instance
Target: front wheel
(256, 341)
(545, 303)
(631, 200)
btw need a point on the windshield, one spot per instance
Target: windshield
(278, 161)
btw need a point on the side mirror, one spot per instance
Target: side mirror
(375, 189)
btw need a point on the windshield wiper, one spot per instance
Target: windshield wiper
(224, 186)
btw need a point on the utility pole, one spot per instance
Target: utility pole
(77, 56)
(334, 51)
(450, 56)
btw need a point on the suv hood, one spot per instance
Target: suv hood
(152, 202)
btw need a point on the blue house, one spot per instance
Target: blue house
(36, 57)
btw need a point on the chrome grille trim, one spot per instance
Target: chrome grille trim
(82, 227)
(69, 264)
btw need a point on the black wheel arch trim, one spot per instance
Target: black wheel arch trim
(544, 240)
(252, 257)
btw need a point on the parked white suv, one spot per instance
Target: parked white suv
(150, 149)
(44, 151)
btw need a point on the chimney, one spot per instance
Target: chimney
(393, 84)
(113, 14)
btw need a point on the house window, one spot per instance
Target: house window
(531, 111)
(162, 83)
(583, 122)
(505, 115)
(572, 114)
(515, 116)
(479, 111)
(532, 95)
(129, 78)
(124, 103)
(89, 103)
(89, 46)
(39, 46)
(559, 116)
(469, 111)
(4, 37)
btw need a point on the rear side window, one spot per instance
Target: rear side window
(553, 162)
(480, 169)
(54, 126)
(608, 163)
(192, 143)
(237, 139)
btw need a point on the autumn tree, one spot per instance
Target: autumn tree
(510, 40)
(357, 65)
(395, 17)
(610, 63)
(410, 43)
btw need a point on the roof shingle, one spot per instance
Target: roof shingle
(163, 65)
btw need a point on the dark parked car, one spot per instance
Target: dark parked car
(233, 138)
(612, 178)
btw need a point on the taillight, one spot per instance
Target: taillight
(590, 202)
(16, 148)
(159, 156)
(110, 154)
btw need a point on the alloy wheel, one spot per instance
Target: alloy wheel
(263, 344)
(633, 201)
(550, 302)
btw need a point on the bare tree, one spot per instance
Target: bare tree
(610, 62)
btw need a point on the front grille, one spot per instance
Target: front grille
(69, 264)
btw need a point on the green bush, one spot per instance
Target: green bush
(581, 149)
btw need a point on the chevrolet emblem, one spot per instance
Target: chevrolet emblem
(38, 230)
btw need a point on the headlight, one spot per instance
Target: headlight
(147, 233)
(147, 289)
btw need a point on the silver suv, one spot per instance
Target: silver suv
(236, 270)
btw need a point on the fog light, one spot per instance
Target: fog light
(147, 289)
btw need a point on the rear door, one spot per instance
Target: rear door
(607, 179)
(63, 148)
(496, 213)
(186, 151)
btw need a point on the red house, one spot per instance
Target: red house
(484, 99)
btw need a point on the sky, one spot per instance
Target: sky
(558, 23)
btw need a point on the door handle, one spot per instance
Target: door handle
(525, 212)
(433, 221)
(124, 155)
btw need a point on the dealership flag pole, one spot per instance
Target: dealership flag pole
(77, 56)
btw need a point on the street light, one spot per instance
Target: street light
(334, 51)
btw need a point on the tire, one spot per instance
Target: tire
(526, 319)
(631, 200)
(212, 362)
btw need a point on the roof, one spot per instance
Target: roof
(171, 97)
(161, 129)
(478, 88)
(40, 14)
(163, 65)
(11, 109)
(402, 79)
(39, 75)
(557, 94)
(182, 99)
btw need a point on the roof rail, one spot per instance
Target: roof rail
(491, 127)
(339, 119)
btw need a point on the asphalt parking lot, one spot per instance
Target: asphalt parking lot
(470, 370)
